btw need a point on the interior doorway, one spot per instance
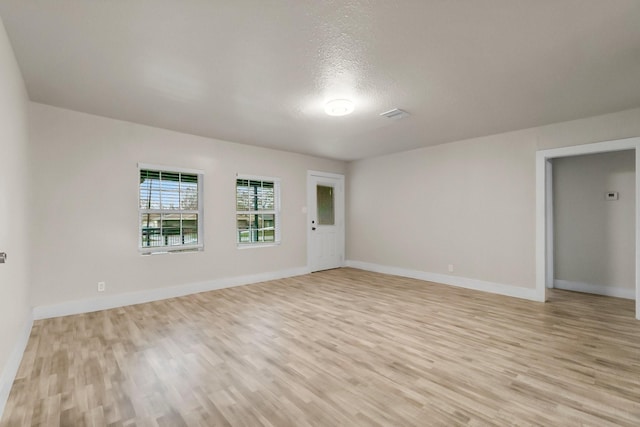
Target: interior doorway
(544, 208)
(593, 223)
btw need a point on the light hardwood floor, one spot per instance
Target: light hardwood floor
(336, 348)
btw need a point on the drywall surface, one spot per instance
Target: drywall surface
(85, 226)
(14, 216)
(594, 238)
(468, 204)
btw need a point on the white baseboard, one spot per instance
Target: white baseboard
(10, 370)
(462, 282)
(121, 300)
(589, 288)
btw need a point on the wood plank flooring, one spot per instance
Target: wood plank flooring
(337, 348)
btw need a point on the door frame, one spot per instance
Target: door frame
(544, 207)
(340, 212)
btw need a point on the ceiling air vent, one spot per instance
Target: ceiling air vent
(395, 114)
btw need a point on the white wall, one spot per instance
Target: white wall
(594, 242)
(85, 226)
(14, 216)
(469, 203)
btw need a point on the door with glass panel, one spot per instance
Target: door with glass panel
(326, 221)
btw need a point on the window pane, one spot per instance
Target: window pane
(190, 229)
(243, 195)
(169, 190)
(266, 198)
(243, 228)
(187, 177)
(150, 227)
(171, 229)
(268, 224)
(147, 174)
(154, 194)
(252, 195)
(189, 192)
(149, 189)
(324, 197)
(254, 227)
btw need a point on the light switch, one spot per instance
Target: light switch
(611, 195)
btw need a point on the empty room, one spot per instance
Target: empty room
(319, 213)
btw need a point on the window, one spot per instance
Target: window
(170, 210)
(257, 210)
(324, 204)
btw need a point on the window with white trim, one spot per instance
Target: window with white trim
(170, 206)
(257, 210)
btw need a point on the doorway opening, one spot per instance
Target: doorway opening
(544, 209)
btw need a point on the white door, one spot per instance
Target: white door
(325, 220)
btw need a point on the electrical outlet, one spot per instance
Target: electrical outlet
(611, 195)
(450, 268)
(102, 286)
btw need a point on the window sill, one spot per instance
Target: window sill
(256, 245)
(171, 251)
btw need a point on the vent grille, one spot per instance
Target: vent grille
(395, 114)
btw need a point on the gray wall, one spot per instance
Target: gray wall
(15, 313)
(594, 239)
(469, 203)
(85, 204)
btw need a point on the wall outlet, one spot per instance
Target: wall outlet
(450, 267)
(611, 195)
(102, 286)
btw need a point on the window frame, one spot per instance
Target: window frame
(172, 249)
(276, 211)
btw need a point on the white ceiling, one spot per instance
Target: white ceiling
(259, 71)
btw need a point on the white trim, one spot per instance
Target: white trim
(257, 178)
(177, 249)
(593, 148)
(637, 233)
(121, 300)
(543, 220)
(168, 168)
(541, 226)
(164, 211)
(12, 365)
(257, 245)
(325, 174)
(461, 282)
(590, 288)
(549, 213)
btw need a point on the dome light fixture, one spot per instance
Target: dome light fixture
(338, 107)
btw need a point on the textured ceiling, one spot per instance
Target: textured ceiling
(259, 72)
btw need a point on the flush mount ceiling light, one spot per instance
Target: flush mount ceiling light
(338, 107)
